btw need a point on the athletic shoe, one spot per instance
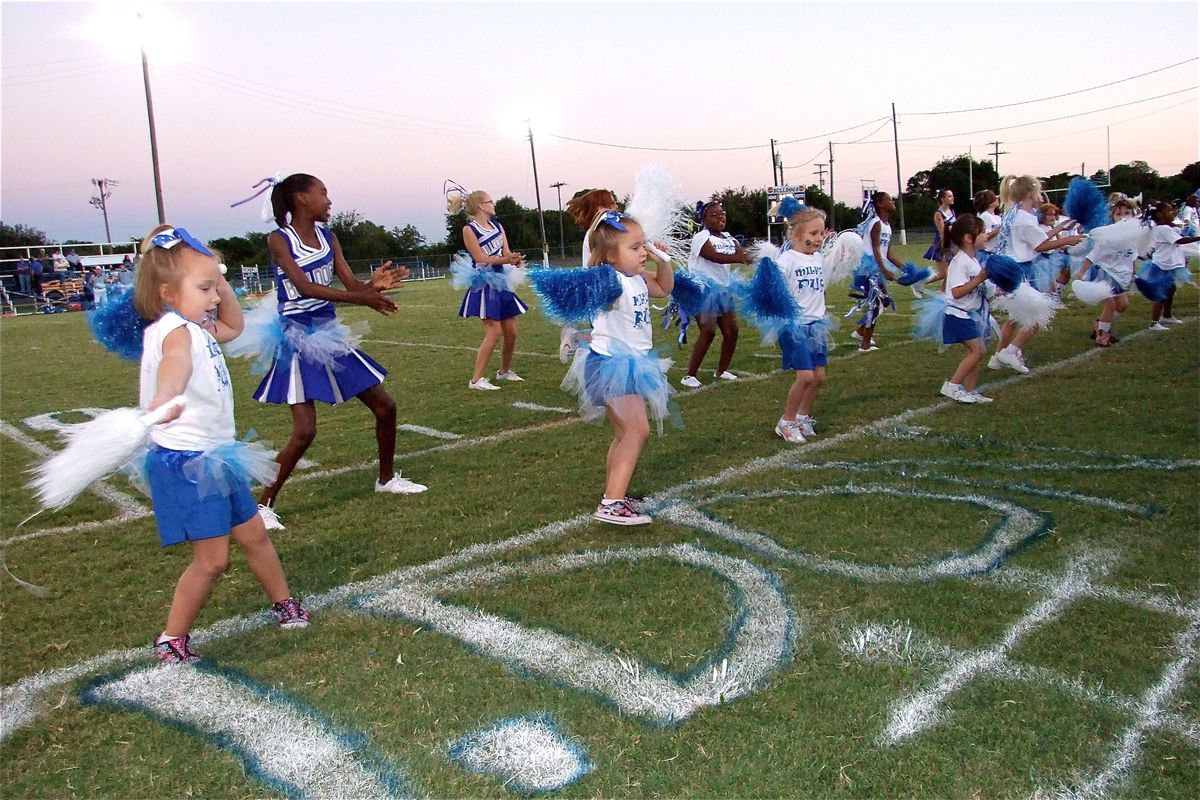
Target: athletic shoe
(726, 376)
(398, 485)
(1171, 321)
(870, 349)
(1158, 326)
(1010, 357)
(856, 336)
(509, 376)
(290, 614)
(1103, 339)
(806, 426)
(790, 432)
(981, 398)
(994, 363)
(483, 384)
(621, 513)
(270, 519)
(949, 389)
(175, 651)
(692, 382)
(566, 344)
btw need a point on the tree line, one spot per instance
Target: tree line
(746, 209)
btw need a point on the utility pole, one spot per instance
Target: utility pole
(820, 173)
(100, 201)
(775, 165)
(158, 194)
(562, 239)
(970, 174)
(832, 202)
(537, 192)
(899, 185)
(996, 153)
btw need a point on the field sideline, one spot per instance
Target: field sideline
(927, 600)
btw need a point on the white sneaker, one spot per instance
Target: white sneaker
(566, 344)
(1171, 321)
(1011, 358)
(949, 389)
(870, 349)
(483, 384)
(980, 398)
(790, 432)
(1158, 326)
(856, 336)
(726, 376)
(398, 485)
(509, 376)
(807, 426)
(994, 363)
(270, 518)
(692, 382)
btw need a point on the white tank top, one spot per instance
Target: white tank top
(628, 321)
(207, 418)
(723, 243)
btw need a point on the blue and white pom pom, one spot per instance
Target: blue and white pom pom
(1086, 204)
(117, 326)
(910, 274)
(767, 302)
(575, 295)
(790, 206)
(261, 336)
(841, 256)
(657, 204)
(1006, 273)
(465, 275)
(688, 292)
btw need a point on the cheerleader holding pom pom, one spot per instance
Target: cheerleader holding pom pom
(1158, 278)
(615, 374)
(1107, 270)
(712, 251)
(196, 478)
(583, 208)
(872, 273)
(960, 315)
(489, 293)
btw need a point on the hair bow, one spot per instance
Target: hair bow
(268, 212)
(173, 236)
(613, 220)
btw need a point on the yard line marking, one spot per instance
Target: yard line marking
(21, 701)
(536, 407)
(433, 432)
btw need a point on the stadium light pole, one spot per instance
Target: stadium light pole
(562, 237)
(537, 191)
(158, 194)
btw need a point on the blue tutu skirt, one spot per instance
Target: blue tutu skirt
(1097, 273)
(331, 375)
(716, 300)
(597, 379)
(488, 302)
(1045, 268)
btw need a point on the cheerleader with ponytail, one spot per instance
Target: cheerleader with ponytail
(872, 273)
(965, 314)
(488, 279)
(313, 356)
(1021, 239)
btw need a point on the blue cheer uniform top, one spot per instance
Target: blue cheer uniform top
(487, 301)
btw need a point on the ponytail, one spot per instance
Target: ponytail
(282, 193)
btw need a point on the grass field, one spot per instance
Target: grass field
(927, 600)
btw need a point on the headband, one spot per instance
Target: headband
(173, 236)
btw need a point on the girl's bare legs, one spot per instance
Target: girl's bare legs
(796, 394)
(304, 430)
(708, 331)
(384, 408)
(261, 558)
(967, 374)
(508, 328)
(812, 386)
(729, 338)
(631, 429)
(210, 557)
(491, 335)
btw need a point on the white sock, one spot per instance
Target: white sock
(1105, 326)
(606, 502)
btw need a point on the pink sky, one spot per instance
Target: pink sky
(384, 101)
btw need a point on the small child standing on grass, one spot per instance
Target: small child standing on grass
(197, 484)
(872, 274)
(1166, 254)
(965, 317)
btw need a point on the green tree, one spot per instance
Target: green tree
(407, 241)
(17, 235)
(962, 175)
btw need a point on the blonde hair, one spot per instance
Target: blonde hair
(158, 266)
(602, 239)
(803, 217)
(1121, 200)
(471, 202)
(1014, 189)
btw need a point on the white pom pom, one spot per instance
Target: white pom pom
(1121, 235)
(514, 277)
(843, 256)
(1092, 292)
(1028, 307)
(658, 205)
(759, 250)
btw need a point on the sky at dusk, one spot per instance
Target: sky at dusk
(384, 101)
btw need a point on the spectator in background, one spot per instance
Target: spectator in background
(35, 275)
(24, 277)
(62, 270)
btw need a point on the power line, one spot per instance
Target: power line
(1051, 97)
(711, 149)
(78, 72)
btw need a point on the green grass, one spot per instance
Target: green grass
(815, 728)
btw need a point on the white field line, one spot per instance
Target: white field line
(474, 349)
(1150, 716)
(530, 753)
(21, 702)
(287, 746)
(547, 409)
(432, 432)
(924, 709)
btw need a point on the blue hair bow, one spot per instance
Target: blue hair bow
(169, 238)
(613, 220)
